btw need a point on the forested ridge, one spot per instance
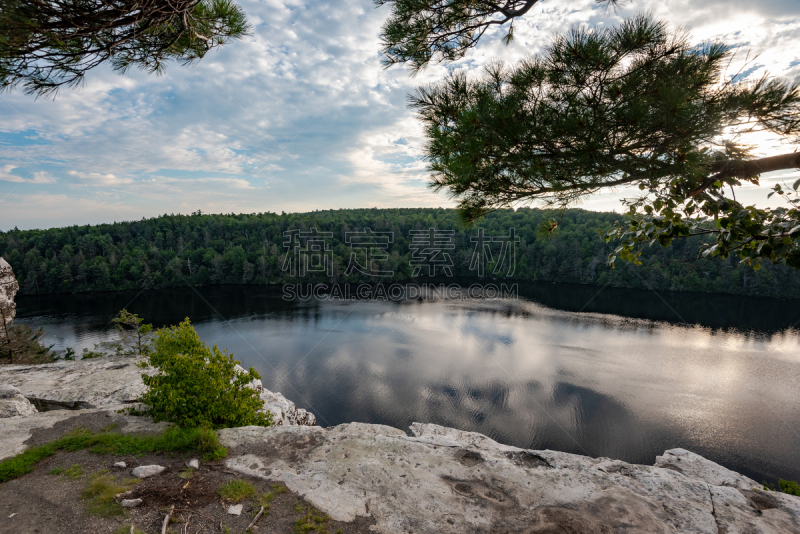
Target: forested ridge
(202, 249)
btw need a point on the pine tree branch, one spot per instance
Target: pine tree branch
(724, 170)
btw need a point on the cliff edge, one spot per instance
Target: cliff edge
(434, 480)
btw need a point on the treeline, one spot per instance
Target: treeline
(200, 249)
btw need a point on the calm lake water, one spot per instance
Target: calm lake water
(603, 372)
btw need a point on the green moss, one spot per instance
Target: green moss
(173, 440)
(237, 490)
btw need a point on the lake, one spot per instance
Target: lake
(608, 372)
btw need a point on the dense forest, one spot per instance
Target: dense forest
(202, 249)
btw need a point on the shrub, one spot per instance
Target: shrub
(197, 386)
(22, 344)
(789, 486)
(134, 335)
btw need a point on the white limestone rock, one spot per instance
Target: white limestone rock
(445, 481)
(284, 412)
(145, 471)
(120, 465)
(115, 382)
(85, 384)
(235, 509)
(13, 403)
(194, 463)
(695, 466)
(130, 503)
(8, 290)
(7, 391)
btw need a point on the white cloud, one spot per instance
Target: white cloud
(299, 116)
(37, 177)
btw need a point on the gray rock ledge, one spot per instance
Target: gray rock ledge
(446, 481)
(113, 382)
(437, 480)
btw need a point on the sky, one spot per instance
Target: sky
(302, 116)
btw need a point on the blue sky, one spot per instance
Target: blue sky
(299, 116)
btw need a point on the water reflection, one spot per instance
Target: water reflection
(625, 386)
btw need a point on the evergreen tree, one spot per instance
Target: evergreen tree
(632, 105)
(47, 44)
(420, 31)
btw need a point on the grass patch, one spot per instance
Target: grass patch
(126, 529)
(313, 521)
(237, 490)
(100, 491)
(265, 500)
(175, 439)
(74, 472)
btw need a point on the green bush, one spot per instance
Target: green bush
(197, 386)
(789, 486)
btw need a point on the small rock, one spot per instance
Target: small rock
(236, 509)
(144, 471)
(119, 496)
(121, 465)
(7, 391)
(16, 407)
(13, 403)
(130, 503)
(194, 463)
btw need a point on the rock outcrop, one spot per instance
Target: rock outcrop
(8, 290)
(437, 480)
(94, 383)
(13, 403)
(445, 481)
(284, 412)
(113, 382)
